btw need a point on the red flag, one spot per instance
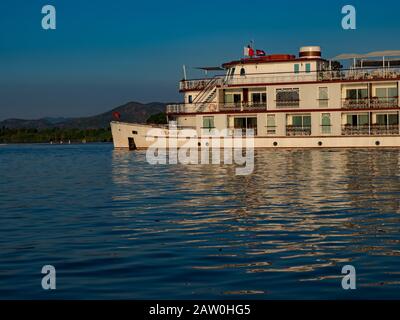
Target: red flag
(116, 115)
(251, 52)
(260, 53)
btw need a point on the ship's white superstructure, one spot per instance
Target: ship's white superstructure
(289, 101)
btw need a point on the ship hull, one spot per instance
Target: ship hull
(132, 136)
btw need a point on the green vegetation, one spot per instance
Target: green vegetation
(46, 135)
(54, 134)
(159, 118)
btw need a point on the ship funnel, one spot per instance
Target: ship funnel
(310, 52)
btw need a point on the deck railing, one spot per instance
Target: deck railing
(215, 107)
(298, 130)
(357, 74)
(374, 103)
(373, 129)
(287, 103)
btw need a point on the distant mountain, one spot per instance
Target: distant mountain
(130, 112)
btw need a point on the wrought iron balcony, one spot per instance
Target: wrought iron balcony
(298, 130)
(374, 129)
(373, 103)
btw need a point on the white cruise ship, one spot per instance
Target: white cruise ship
(289, 101)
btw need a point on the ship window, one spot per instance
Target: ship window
(190, 99)
(287, 97)
(208, 122)
(355, 94)
(326, 123)
(308, 67)
(323, 97)
(386, 92)
(259, 97)
(271, 126)
(393, 119)
(358, 119)
(242, 72)
(296, 68)
(245, 123)
(301, 121)
(387, 119)
(233, 98)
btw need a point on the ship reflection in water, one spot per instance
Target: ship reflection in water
(116, 227)
(285, 231)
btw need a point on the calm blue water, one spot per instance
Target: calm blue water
(116, 227)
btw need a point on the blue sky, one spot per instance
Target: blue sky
(105, 53)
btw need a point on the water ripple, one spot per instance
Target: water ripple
(116, 227)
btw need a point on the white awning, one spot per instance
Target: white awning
(387, 53)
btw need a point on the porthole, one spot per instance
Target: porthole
(275, 144)
(320, 143)
(377, 143)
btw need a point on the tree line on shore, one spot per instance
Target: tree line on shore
(57, 135)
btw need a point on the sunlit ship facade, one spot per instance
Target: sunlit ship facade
(289, 101)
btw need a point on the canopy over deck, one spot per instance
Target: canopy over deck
(387, 53)
(210, 68)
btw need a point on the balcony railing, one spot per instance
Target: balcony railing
(199, 84)
(298, 130)
(287, 103)
(215, 107)
(242, 131)
(244, 106)
(374, 103)
(374, 129)
(358, 74)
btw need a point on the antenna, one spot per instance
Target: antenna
(184, 72)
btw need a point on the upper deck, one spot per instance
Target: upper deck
(304, 82)
(349, 75)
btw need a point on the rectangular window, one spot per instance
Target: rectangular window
(298, 125)
(208, 123)
(301, 121)
(237, 98)
(358, 120)
(384, 119)
(228, 98)
(393, 119)
(190, 99)
(296, 68)
(381, 119)
(259, 97)
(393, 93)
(308, 67)
(355, 94)
(233, 98)
(271, 126)
(245, 123)
(288, 97)
(326, 123)
(386, 92)
(323, 97)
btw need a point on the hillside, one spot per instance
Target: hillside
(130, 112)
